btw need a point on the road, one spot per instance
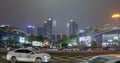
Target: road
(65, 56)
(58, 59)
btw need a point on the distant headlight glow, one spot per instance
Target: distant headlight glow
(45, 58)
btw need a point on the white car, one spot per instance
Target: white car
(108, 58)
(27, 55)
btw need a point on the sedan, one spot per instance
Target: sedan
(108, 58)
(27, 55)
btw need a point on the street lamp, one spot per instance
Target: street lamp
(116, 16)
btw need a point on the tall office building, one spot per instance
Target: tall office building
(72, 27)
(31, 30)
(53, 37)
(58, 37)
(40, 31)
(48, 28)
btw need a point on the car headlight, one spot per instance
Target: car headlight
(46, 58)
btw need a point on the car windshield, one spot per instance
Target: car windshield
(97, 60)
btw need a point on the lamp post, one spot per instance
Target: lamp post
(116, 16)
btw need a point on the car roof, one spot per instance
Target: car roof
(27, 48)
(110, 56)
(23, 48)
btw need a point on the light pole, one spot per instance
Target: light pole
(116, 16)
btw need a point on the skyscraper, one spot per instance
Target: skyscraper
(31, 30)
(72, 27)
(40, 31)
(48, 28)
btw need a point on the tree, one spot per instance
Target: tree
(64, 38)
(64, 41)
(8, 42)
(32, 38)
(1, 40)
(2, 44)
(57, 43)
(78, 42)
(40, 38)
(95, 30)
(94, 44)
(72, 36)
(15, 43)
(11, 42)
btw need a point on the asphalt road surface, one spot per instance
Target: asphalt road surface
(60, 59)
(66, 56)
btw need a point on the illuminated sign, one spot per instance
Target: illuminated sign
(86, 40)
(36, 43)
(22, 39)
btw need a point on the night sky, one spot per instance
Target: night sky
(20, 13)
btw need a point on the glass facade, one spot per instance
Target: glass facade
(110, 37)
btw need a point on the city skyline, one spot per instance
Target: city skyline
(86, 13)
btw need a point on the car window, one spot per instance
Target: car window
(23, 51)
(20, 51)
(27, 51)
(98, 60)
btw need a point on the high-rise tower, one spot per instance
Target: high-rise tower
(72, 27)
(31, 30)
(48, 28)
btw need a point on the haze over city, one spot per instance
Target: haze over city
(21, 13)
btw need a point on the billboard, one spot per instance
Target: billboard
(36, 43)
(22, 39)
(86, 40)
